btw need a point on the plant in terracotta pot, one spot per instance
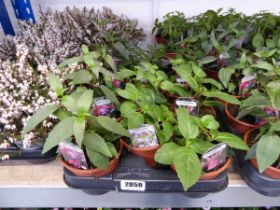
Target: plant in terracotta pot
(193, 136)
(142, 115)
(203, 89)
(89, 144)
(254, 73)
(265, 140)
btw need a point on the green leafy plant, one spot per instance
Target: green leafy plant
(202, 88)
(193, 137)
(96, 135)
(141, 107)
(265, 146)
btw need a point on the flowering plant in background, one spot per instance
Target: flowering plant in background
(60, 34)
(23, 91)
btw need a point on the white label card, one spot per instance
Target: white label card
(133, 185)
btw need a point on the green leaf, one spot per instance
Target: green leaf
(61, 114)
(55, 84)
(198, 71)
(127, 108)
(95, 142)
(69, 103)
(80, 77)
(265, 54)
(187, 128)
(208, 121)
(275, 127)
(62, 131)
(255, 100)
(187, 167)
(85, 101)
(79, 126)
(110, 94)
(111, 62)
(71, 61)
(39, 117)
(251, 153)
(135, 120)
(85, 49)
(122, 50)
(105, 72)
(273, 90)
(206, 60)
(166, 153)
(167, 130)
(224, 96)
(232, 140)
(97, 159)
(113, 149)
(185, 75)
(212, 82)
(200, 146)
(225, 75)
(125, 74)
(111, 125)
(242, 60)
(258, 41)
(268, 148)
(263, 65)
(130, 92)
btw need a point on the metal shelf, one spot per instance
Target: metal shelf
(26, 185)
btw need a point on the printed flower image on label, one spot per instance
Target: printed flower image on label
(247, 84)
(143, 136)
(191, 104)
(118, 84)
(214, 157)
(103, 107)
(73, 155)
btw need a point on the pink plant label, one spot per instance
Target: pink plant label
(73, 155)
(214, 157)
(103, 107)
(247, 84)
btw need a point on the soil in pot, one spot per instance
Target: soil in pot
(113, 164)
(250, 139)
(239, 125)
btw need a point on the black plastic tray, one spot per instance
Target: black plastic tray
(259, 182)
(134, 168)
(32, 156)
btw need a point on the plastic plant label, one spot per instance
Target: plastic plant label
(247, 84)
(118, 84)
(144, 136)
(214, 157)
(103, 107)
(73, 155)
(132, 185)
(191, 104)
(180, 80)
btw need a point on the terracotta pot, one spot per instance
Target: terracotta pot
(270, 171)
(238, 125)
(146, 152)
(170, 55)
(113, 164)
(212, 74)
(214, 174)
(161, 40)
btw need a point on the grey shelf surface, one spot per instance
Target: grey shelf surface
(26, 185)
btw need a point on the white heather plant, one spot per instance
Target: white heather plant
(23, 91)
(60, 34)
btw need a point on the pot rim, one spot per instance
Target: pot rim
(229, 115)
(254, 160)
(142, 149)
(92, 170)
